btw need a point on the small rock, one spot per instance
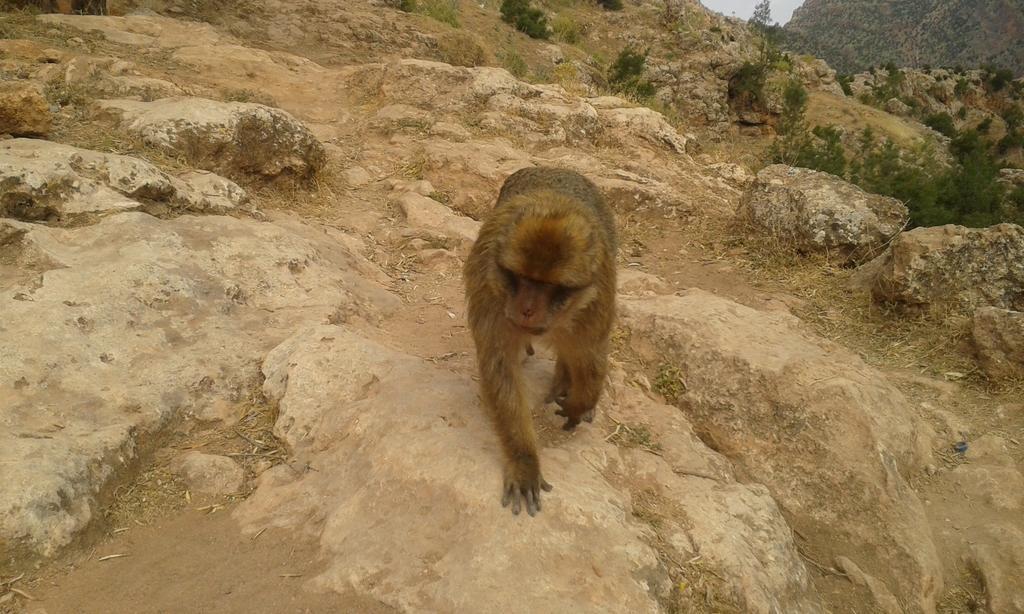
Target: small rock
(419, 186)
(439, 259)
(632, 281)
(357, 176)
(427, 214)
(24, 110)
(884, 599)
(210, 474)
(220, 410)
(220, 192)
(998, 558)
(450, 131)
(998, 336)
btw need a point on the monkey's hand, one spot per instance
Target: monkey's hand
(572, 415)
(523, 481)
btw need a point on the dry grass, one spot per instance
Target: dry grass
(462, 49)
(634, 436)
(248, 95)
(696, 586)
(157, 492)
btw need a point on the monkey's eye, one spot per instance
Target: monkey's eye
(511, 279)
(561, 295)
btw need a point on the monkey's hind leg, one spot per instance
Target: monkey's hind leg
(587, 372)
(560, 384)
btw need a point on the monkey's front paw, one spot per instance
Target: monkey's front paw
(523, 482)
(572, 419)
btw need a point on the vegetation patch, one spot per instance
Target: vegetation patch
(525, 18)
(626, 75)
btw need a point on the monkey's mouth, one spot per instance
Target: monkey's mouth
(532, 330)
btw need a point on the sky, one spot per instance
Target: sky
(782, 10)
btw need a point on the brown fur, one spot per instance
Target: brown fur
(544, 262)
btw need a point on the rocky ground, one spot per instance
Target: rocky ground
(234, 367)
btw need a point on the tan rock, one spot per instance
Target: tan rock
(818, 212)
(585, 551)
(828, 436)
(110, 320)
(998, 336)
(997, 555)
(952, 267)
(209, 474)
(235, 138)
(59, 184)
(24, 110)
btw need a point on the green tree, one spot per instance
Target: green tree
(762, 17)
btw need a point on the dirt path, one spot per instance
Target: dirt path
(193, 561)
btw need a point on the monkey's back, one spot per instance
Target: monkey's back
(563, 181)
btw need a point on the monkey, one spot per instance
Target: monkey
(542, 267)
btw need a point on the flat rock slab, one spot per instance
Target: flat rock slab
(404, 498)
(41, 181)
(823, 431)
(233, 138)
(113, 330)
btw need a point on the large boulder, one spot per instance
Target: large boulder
(818, 212)
(114, 330)
(616, 515)
(41, 181)
(998, 336)
(234, 138)
(829, 437)
(24, 110)
(951, 267)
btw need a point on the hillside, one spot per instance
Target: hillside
(853, 35)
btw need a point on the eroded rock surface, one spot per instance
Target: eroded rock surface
(828, 436)
(48, 182)
(24, 110)
(235, 138)
(121, 326)
(952, 267)
(998, 336)
(346, 408)
(818, 212)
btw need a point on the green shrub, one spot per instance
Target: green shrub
(999, 78)
(962, 87)
(626, 74)
(567, 29)
(844, 82)
(941, 123)
(525, 18)
(746, 87)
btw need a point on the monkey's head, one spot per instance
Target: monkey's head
(547, 265)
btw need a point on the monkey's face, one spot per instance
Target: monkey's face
(546, 269)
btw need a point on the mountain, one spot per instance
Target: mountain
(853, 35)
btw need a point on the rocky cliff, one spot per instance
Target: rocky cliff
(853, 35)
